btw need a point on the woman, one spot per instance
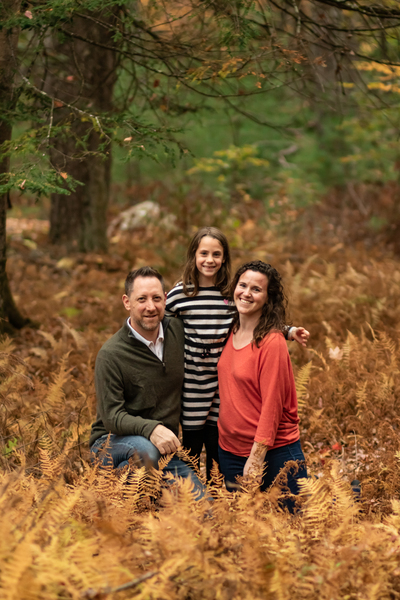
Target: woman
(258, 422)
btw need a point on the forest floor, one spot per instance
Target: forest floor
(72, 531)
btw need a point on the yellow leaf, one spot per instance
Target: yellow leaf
(66, 263)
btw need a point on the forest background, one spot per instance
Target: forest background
(277, 122)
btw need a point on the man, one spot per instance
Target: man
(138, 377)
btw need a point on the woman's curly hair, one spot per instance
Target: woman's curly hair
(273, 315)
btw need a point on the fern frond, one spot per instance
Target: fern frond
(121, 480)
(372, 331)
(77, 337)
(386, 347)
(302, 379)
(152, 483)
(56, 395)
(164, 461)
(344, 506)
(316, 507)
(13, 569)
(217, 479)
(289, 270)
(181, 490)
(135, 486)
(47, 444)
(307, 263)
(330, 274)
(184, 455)
(361, 396)
(49, 338)
(62, 508)
(49, 467)
(6, 346)
(348, 346)
(320, 356)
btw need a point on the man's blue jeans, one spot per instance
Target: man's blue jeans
(122, 447)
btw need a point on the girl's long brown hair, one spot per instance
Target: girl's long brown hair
(273, 315)
(190, 277)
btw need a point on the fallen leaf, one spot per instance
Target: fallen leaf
(61, 295)
(335, 354)
(30, 244)
(66, 263)
(64, 175)
(41, 352)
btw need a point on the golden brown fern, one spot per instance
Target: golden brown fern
(217, 479)
(76, 336)
(55, 396)
(302, 380)
(47, 465)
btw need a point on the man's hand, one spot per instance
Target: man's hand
(164, 440)
(300, 334)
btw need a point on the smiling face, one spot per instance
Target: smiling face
(146, 306)
(251, 293)
(209, 259)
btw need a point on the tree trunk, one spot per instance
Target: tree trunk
(9, 314)
(85, 78)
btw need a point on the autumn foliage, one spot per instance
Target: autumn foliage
(72, 530)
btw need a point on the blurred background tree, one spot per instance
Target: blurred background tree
(295, 80)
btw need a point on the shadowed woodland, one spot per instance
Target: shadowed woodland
(304, 176)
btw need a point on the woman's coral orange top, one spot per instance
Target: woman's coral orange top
(258, 396)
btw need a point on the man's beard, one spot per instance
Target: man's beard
(147, 327)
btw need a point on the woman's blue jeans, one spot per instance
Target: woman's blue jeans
(122, 447)
(232, 466)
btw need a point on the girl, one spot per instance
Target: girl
(200, 301)
(258, 423)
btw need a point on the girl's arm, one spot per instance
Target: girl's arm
(170, 306)
(299, 334)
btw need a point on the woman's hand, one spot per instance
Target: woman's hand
(255, 463)
(300, 334)
(251, 467)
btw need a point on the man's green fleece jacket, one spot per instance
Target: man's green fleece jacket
(135, 390)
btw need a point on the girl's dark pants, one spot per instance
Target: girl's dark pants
(193, 440)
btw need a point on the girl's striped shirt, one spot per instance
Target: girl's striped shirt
(206, 319)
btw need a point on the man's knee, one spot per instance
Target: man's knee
(146, 453)
(121, 448)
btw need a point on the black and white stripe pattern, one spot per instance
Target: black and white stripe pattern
(206, 319)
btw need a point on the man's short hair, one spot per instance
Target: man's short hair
(142, 272)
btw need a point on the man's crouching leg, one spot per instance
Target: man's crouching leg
(178, 468)
(121, 448)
